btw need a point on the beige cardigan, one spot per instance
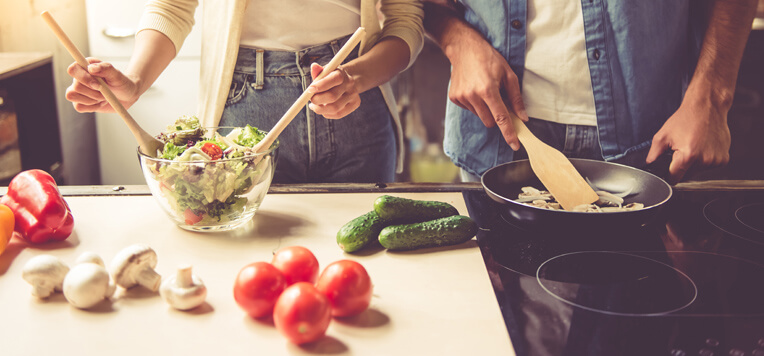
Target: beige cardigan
(221, 32)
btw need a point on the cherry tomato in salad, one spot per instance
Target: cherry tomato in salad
(347, 286)
(297, 264)
(257, 287)
(191, 217)
(212, 150)
(302, 314)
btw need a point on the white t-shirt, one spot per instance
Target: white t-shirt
(293, 25)
(556, 83)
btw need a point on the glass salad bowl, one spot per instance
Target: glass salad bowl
(202, 192)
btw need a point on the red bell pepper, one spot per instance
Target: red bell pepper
(41, 213)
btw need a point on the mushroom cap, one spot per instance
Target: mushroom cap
(129, 262)
(86, 285)
(91, 257)
(46, 273)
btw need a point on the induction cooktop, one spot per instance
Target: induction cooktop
(690, 283)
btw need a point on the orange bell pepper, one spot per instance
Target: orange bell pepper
(7, 221)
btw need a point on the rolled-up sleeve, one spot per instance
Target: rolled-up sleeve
(173, 18)
(403, 19)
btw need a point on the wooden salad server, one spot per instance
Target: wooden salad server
(147, 143)
(298, 105)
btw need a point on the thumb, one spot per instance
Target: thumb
(680, 163)
(315, 70)
(656, 149)
(112, 76)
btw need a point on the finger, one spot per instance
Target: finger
(501, 116)
(331, 80)
(81, 75)
(344, 111)
(657, 148)
(680, 163)
(515, 96)
(333, 107)
(329, 96)
(315, 70)
(78, 98)
(99, 107)
(81, 89)
(111, 75)
(482, 111)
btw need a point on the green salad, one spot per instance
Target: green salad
(205, 183)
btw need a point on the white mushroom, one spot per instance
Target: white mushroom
(135, 265)
(183, 291)
(91, 257)
(45, 273)
(87, 284)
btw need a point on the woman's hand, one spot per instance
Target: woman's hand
(336, 95)
(84, 92)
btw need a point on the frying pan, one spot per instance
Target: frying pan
(503, 183)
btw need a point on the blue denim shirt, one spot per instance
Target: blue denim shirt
(641, 55)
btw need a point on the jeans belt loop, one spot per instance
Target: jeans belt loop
(259, 69)
(335, 46)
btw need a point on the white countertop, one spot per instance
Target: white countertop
(426, 302)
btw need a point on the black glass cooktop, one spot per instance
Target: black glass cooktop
(691, 283)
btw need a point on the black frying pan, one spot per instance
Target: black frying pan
(503, 183)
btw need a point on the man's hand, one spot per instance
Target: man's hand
(336, 95)
(481, 79)
(481, 82)
(84, 92)
(699, 136)
(698, 132)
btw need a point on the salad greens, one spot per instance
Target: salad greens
(204, 183)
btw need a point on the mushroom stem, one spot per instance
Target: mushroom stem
(149, 279)
(184, 277)
(42, 292)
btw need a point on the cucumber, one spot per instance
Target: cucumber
(451, 230)
(407, 211)
(360, 232)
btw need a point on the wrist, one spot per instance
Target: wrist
(710, 94)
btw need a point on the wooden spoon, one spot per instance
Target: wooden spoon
(554, 170)
(147, 143)
(298, 105)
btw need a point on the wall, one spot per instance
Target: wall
(21, 30)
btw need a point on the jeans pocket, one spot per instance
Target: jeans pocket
(239, 85)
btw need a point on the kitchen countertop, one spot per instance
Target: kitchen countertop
(12, 63)
(433, 301)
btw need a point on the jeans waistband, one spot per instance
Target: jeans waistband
(287, 62)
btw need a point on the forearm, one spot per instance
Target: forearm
(381, 63)
(152, 54)
(445, 27)
(719, 61)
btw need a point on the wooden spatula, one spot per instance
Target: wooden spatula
(148, 144)
(554, 170)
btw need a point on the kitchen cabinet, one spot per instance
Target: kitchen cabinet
(111, 30)
(29, 128)
(425, 302)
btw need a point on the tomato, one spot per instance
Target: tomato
(192, 218)
(347, 286)
(212, 150)
(302, 314)
(7, 223)
(297, 264)
(257, 287)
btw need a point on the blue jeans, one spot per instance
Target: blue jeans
(357, 148)
(574, 141)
